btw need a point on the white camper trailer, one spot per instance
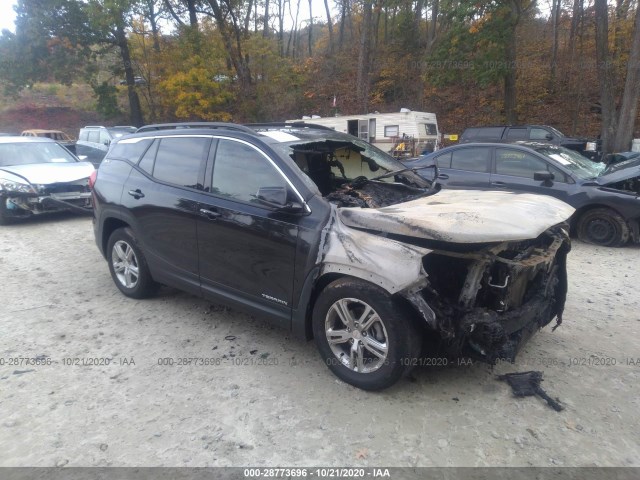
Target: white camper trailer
(403, 134)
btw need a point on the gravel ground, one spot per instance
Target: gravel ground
(267, 399)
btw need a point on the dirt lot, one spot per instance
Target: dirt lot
(267, 399)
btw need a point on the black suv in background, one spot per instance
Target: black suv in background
(289, 222)
(534, 133)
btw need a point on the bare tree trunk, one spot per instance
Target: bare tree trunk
(555, 21)
(134, 101)
(172, 12)
(265, 29)
(231, 38)
(310, 25)
(281, 12)
(631, 95)
(193, 17)
(247, 17)
(431, 31)
(364, 66)
(605, 75)
(329, 25)
(343, 13)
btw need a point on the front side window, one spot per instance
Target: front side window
(518, 163)
(179, 160)
(538, 134)
(471, 159)
(240, 170)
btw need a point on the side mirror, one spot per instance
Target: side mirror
(548, 136)
(544, 176)
(276, 197)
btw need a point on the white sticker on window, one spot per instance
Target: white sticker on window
(560, 158)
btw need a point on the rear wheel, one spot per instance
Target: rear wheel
(604, 227)
(128, 265)
(365, 338)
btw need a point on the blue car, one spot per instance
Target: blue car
(606, 197)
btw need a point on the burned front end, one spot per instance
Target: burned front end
(486, 303)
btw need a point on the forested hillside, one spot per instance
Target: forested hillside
(573, 64)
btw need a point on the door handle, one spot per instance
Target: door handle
(499, 184)
(210, 214)
(137, 193)
(443, 176)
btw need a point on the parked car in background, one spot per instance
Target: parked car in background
(58, 135)
(620, 157)
(37, 175)
(328, 236)
(606, 198)
(93, 141)
(535, 133)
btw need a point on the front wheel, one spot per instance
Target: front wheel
(604, 227)
(128, 266)
(365, 338)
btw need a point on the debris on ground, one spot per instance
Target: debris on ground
(526, 384)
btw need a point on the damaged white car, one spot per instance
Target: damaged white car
(331, 238)
(37, 175)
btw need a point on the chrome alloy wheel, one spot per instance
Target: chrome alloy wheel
(125, 264)
(357, 336)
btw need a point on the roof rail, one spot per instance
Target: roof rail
(185, 125)
(266, 126)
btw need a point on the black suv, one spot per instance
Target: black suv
(327, 236)
(534, 133)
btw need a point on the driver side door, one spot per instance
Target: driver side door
(246, 249)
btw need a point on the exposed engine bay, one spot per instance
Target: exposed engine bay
(629, 185)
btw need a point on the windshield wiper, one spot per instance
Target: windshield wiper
(408, 169)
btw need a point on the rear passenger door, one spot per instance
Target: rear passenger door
(467, 167)
(161, 197)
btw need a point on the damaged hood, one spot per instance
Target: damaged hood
(47, 173)
(618, 172)
(464, 216)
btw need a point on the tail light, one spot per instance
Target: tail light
(92, 179)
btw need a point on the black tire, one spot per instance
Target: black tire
(144, 285)
(604, 227)
(402, 339)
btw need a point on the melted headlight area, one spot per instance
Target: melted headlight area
(487, 303)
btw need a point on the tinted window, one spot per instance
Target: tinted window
(146, 162)
(517, 134)
(518, 163)
(240, 170)
(485, 132)
(178, 160)
(444, 161)
(538, 134)
(129, 151)
(471, 159)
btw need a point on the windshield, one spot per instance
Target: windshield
(581, 166)
(27, 153)
(120, 131)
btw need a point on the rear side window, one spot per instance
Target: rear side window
(179, 160)
(240, 170)
(130, 152)
(487, 133)
(94, 136)
(517, 134)
(146, 162)
(471, 159)
(84, 135)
